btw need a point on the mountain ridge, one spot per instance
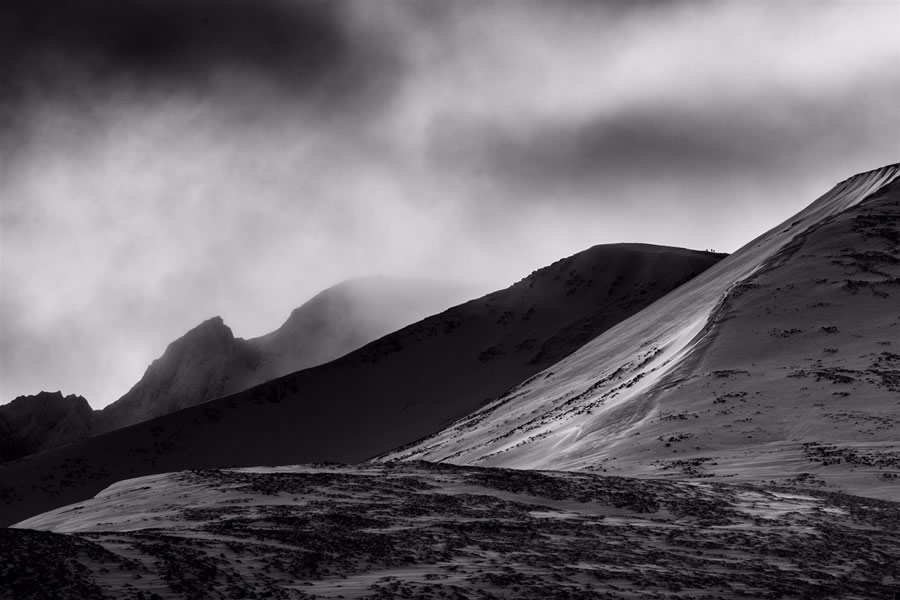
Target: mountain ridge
(209, 361)
(641, 378)
(394, 390)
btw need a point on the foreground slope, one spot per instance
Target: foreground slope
(421, 530)
(400, 388)
(782, 361)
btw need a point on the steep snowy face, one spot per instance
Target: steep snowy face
(778, 357)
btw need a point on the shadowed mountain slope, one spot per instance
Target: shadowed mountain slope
(351, 314)
(402, 387)
(209, 362)
(33, 423)
(781, 362)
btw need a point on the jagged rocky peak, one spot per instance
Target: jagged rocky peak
(30, 424)
(206, 362)
(208, 337)
(51, 401)
(211, 330)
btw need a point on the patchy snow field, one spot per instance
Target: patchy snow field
(422, 530)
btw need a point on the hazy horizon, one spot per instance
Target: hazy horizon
(164, 162)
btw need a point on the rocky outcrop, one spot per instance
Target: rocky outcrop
(33, 423)
(205, 363)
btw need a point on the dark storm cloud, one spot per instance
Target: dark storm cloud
(702, 140)
(169, 41)
(70, 50)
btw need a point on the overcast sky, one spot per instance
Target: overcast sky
(165, 161)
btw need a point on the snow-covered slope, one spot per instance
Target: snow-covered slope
(780, 361)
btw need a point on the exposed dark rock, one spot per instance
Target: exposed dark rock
(33, 423)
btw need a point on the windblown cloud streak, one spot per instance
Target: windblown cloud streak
(162, 162)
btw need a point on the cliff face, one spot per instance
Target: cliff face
(206, 362)
(30, 424)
